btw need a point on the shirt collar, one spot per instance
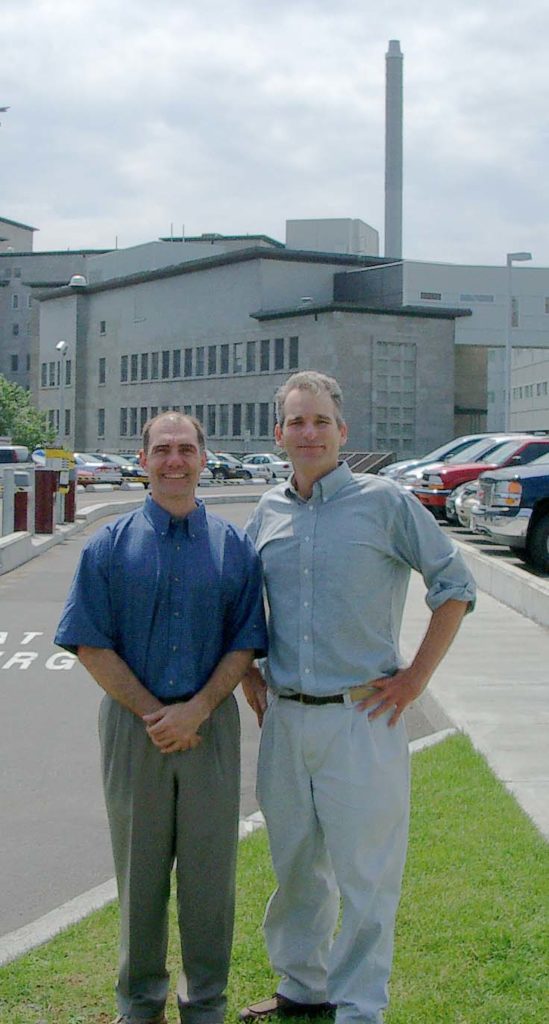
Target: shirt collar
(161, 520)
(327, 486)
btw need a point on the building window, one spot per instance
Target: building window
(58, 367)
(29, 301)
(188, 363)
(68, 372)
(144, 366)
(293, 355)
(188, 410)
(224, 367)
(223, 420)
(133, 421)
(212, 359)
(431, 296)
(14, 363)
(44, 375)
(263, 419)
(176, 362)
(514, 311)
(154, 365)
(102, 370)
(250, 357)
(238, 357)
(50, 418)
(154, 411)
(279, 354)
(265, 355)
(123, 422)
(100, 422)
(165, 365)
(199, 413)
(28, 361)
(15, 302)
(250, 418)
(67, 422)
(102, 330)
(199, 366)
(547, 305)
(134, 367)
(123, 369)
(17, 271)
(51, 378)
(211, 420)
(142, 418)
(237, 419)
(15, 330)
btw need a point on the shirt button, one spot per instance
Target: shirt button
(305, 604)
(307, 671)
(305, 572)
(170, 682)
(174, 647)
(307, 538)
(306, 636)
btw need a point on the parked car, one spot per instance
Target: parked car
(92, 469)
(465, 502)
(129, 467)
(514, 509)
(412, 478)
(440, 454)
(277, 465)
(438, 484)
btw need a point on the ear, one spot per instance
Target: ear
(142, 458)
(278, 434)
(343, 433)
(203, 459)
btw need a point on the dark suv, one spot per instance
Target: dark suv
(514, 509)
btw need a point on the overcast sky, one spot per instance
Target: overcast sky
(129, 117)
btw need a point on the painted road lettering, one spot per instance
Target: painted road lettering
(22, 660)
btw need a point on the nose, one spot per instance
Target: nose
(309, 429)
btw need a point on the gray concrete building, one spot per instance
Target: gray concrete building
(215, 329)
(22, 271)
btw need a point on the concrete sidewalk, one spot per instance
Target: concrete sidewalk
(493, 685)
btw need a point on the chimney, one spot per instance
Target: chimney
(393, 150)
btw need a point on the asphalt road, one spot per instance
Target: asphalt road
(55, 842)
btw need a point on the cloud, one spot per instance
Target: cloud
(233, 116)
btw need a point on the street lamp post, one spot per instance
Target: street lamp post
(512, 257)
(62, 347)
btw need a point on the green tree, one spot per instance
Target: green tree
(19, 419)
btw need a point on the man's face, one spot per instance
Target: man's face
(310, 433)
(173, 460)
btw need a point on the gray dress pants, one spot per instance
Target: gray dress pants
(162, 808)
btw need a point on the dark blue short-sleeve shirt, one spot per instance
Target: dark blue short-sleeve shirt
(170, 596)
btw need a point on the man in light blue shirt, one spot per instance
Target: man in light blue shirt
(337, 551)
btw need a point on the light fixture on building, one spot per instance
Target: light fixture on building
(77, 281)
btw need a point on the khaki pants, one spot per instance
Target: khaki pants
(163, 808)
(334, 788)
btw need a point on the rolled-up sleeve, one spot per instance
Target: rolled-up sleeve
(419, 541)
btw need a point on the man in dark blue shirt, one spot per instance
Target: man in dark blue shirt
(166, 613)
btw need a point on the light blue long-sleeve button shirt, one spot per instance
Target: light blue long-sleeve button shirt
(336, 571)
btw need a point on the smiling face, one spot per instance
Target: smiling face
(311, 435)
(173, 460)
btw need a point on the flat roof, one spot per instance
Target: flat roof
(442, 313)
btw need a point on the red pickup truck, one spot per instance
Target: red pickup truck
(437, 484)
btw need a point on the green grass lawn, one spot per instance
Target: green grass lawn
(472, 938)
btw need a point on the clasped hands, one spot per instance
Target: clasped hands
(174, 727)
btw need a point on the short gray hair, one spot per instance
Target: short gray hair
(317, 383)
(175, 417)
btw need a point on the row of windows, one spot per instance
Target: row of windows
(527, 390)
(53, 421)
(7, 272)
(17, 301)
(50, 374)
(16, 330)
(208, 360)
(14, 363)
(239, 419)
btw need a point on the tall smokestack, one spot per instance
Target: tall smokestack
(393, 150)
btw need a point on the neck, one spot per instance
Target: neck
(304, 482)
(177, 507)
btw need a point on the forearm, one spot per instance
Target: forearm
(225, 677)
(443, 626)
(117, 679)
